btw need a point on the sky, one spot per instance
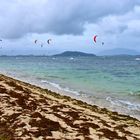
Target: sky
(71, 24)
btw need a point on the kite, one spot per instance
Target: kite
(94, 38)
(49, 40)
(35, 41)
(41, 43)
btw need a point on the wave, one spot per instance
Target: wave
(137, 59)
(71, 58)
(123, 103)
(59, 87)
(136, 93)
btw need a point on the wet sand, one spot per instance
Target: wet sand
(29, 112)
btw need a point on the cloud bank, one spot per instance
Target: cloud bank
(21, 17)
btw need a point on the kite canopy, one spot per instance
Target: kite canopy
(94, 38)
(49, 40)
(0, 39)
(35, 41)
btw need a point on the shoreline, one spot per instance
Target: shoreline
(76, 118)
(100, 102)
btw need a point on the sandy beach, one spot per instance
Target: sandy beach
(29, 112)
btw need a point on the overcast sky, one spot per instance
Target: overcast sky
(71, 24)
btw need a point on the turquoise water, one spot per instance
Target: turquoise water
(112, 82)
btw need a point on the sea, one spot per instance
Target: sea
(111, 82)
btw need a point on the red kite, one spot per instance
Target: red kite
(95, 38)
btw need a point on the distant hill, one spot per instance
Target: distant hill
(74, 53)
(119, 51)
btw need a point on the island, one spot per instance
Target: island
(74, 54)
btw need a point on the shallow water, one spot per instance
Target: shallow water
(112, 82)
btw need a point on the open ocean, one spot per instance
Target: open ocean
(110, 81)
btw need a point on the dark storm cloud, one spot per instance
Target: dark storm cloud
(21, 17)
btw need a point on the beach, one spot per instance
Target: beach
(31, 112)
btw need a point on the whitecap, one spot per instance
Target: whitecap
(71, 58)
(59, 87)
(124, 103)
(137, 59)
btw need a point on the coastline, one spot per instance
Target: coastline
(115, 104)
(26, 108)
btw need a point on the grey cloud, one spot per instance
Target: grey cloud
(20, 17)
(128, 23)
